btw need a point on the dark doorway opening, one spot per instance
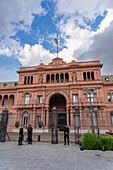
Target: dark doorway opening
(59, 102)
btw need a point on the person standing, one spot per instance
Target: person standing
(66, 134)
(29, 130)
(20, 136)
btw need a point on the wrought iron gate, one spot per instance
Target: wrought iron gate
(3, 125)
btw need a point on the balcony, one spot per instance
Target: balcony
(28, 106)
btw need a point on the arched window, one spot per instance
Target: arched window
(10, 119)
(25, 119)
(109, 98)
(48, 78)
(84, 76)
(52, 78)
(92, 75)
(27, 98)
(28, 80)
(5, 99)
(57, 78)
(88, 76)
(25, 80)
(66, 77)
(31, 79)
(0, 100)
(11, 100)
(61, 77)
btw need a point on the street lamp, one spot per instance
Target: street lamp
(54, 138)
(90, 96)
(77, 124)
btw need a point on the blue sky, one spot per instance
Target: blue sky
(28, 29)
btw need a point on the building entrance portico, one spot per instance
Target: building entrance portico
(59, 102)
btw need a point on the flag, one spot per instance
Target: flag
(56, 40)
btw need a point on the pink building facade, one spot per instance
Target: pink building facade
(59, 84)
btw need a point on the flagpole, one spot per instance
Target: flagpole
(57, 46)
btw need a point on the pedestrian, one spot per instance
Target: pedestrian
(29, 130)
(20, 136)
(66, 134)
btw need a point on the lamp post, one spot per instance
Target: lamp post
(89, 93)
(54, 138)
(77, 124)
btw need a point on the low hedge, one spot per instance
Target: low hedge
(94, 142)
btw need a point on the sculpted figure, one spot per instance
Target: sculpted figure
(40, 79)
(74, 76)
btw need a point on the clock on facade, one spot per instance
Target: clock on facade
(57, 62)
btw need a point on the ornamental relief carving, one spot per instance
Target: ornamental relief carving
(57, 91)
(40, 78)
(74, 76)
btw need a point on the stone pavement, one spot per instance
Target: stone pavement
(45, 156)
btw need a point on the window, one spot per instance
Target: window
(10, 119)
(4, 85)
(25, 119)
(31, 79)
(12, 102)
(88, 76)
(48, 78)
(75, 98)
(109, 98)
(16, 84)
(92, 96)
(39, 99)
(111, 118)
(25, 80)
(94, 115)
(57, 78)
(61, 77)
(4, 102)
(66, 77)
(52, 78)
(38, 119)
(84, 76)
(28, 80)
(27, 98)
(106, 78)
(92, 75)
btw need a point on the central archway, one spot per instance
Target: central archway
(59, 102)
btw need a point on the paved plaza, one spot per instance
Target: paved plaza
(46, 156)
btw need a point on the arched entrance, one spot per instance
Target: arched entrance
(59, 102)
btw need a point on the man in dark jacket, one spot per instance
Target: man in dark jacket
(66, 134)
(29, 130)
(20, 136)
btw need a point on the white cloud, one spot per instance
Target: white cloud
(31, 55)
(14, 11)
(87, 8)
(106, 22)
(85, 44)
(80, 41)
(16, 15)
